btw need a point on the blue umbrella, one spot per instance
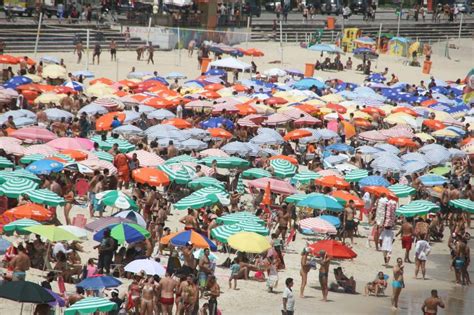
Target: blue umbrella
(376, 77)
(413, 166)
(368, 53)
(331, 219)
(433, 180)
(267, 139)
(14, 82)
(217, 122)
(85, 74)
(76, 86)
(182, 238)
(236, 147)
(50, 59)
(388, 148)
(366, 149)
(59, 300)
(216, 72)
(4, 244)
(195, 83)
(159, 79)
(374, 180)
(175, 75)
(341, 147)
(322, 202)
(326, 48)
(295, 72)
(45, 167)
(99, 282)
(307, 83)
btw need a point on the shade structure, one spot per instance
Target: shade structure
(27, 159)
(99, 282)
(322, 202)
(206, 181)
(29, 211)
(52, 233)
(91, 305)
(150, 176)
(249, 242)
(183, 237)
(253, 226)
(225, 162)
(335, 249)
(401, 190)
(133, 216)
(15, 187)
(306, 176)
(297, 134)
(182, 175)
(116, 199)
(374, 181)
(101, 223)
(318, 225)
(256, 173)
(223, 232)
(45, 167)
(75, 230)
(417, 207)
(25, 292)
(210, 192)
(282, 168)
(18, 226)
(124, 232)
(379, 190)
(238, 217)
(104, 156)
(45, 197)
(463, 204)
(6, 175)
(331, 219)
(71, 143)
(181, 158)
(146, 158)
(332, 181)
(149, 266)
(123, 145)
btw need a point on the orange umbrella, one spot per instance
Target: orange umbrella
(29, 61)
(64, 90)
(275, 100)
(253, 52)
(338, 108)
(102, 80)
(29, 211)
(360, 122)
(405, 110)
(297, 134)
(29, 87)
(434, 124)
(349, 129)
(75, 154)
(332, 181)
(158, 102)
(373, 111)
(128, 83)
(245, 109)
(210, 94)
(379, 190)
(104, 123)
(7, 59)
(310, 109)
(178, 123)
(467, 140)
(151, 176)
(346, 196)
(290, 159)
(429, 102)
(214, 87)
(402, 142)
(239, 88)
(219, 133)
(140, 97)
(120, 93)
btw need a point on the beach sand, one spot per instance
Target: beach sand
(252, 298)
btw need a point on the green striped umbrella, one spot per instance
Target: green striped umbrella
(306, 177)
(238, 217)
(464, 204)
(126, 232)
(18, 226)
(205, 181)
(225, 162)
(91, 305)
(104, 156)
(167, 169)
(194, 202)
(417, 207)
(181, 158)
(182, 175)
(4, 162)
(356, 175)
(298, 197)
(223, 232)
(254, 173)
(123, 145)
(45, 197)
(402, 190)
(253, 226)
(240, 185)
(282, 168)
(116, 199)
(6, 175)
(15, 187)
(30, 158)
(203, 192)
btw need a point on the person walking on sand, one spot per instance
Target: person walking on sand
(78, 49)
(422, 250)
(349, 224)
(288, 298)
(151, 52)
(304, 270)
(431, 304)
(324, 273)
(407, 238)
(168, 286)
(113, 50)
(397, 283)
(97, 52)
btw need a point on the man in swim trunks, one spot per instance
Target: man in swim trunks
(189, 220)
(397, 283)
(168, 286)
(20, 264)
(324, 273)
(349, 224)
(204, 269)
(431, 304)
(284, 218)
(189, 265)
(407, 238)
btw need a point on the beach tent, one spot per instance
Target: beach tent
(398, 46)
(230, 63)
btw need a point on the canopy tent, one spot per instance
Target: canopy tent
(230, 63)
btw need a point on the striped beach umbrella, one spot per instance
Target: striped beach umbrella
(282, 168)
(204, 192)
(91, 305)
(177, 173)
(306, 176)
(123, 145)
(16, 186)
(45, 197)
(30, 158)
(401, 190)
(464, 204)
(181, 158)
(238, 217)
(104, 156)
(194, 202)
(240, 185)
(63, 158)
(253, 226)
(254, 173)
(223, 232)
(25, 174)
(116, 199)
(18, 226)
(4, 162)
(356, 175)
(205, 181)
(225, 162)
(417, 207)
(318, 225)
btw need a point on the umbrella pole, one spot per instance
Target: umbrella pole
(21, 309)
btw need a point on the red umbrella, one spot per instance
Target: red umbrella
(402, 142)
(434, 124)
(338, 108)
(333, 249)
(275, 101)
(405, 110)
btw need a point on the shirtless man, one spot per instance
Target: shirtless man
(190, 296)
(204, 270)
(168, 286)
(304, 270)
(161, 217)
(79, 295)
(407, 238)
(189, 265)
(150, 199)
(324, 273)
(189, 220)
(397, 283)
(349, 214)
(284, 218)
(20, 264)
(79, 50)
(431, 304)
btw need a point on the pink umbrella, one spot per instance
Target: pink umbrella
(34, 134)
(307, 120)
(43, 149)
(97, 164)
(276, 119)
(199, 104)
(71, 143)
(147, 158)
(398, 131)
(332, 125)
(276, 185)
(318, 225)
(213, 152)
(13, 148)
(373, 135)
(219, 108)
(295, 113)
(9, 93)
(8, 141)
(252, 120)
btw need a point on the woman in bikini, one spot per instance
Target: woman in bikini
(305, 268)
(147, 297)
(134, 294)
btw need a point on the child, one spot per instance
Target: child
(234, 273)
(272, 280)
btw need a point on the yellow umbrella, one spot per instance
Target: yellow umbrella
(315, 102)
(47, 98)
(249, 242)
(386, 108)
(358, 114)
(332, 98)
(35, 78)
(225, 92)
(445, 133)
(424, 136)
(401, 119)
(263, 109)
(99, 90)
(52, 233)
(444, 117)
(54, 72)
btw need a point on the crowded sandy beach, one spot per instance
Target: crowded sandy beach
(237, 180)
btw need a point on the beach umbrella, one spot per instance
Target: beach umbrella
(237, 147)
(116, 199)
(25, 292)
(146, 158)
(332, 181)
(225, 162)
(58, 300)
(178, 173)
(93, 109)
(4, 245)
(71, 143)
(237, 217)
(75, 230)
(282, 168)
(298, 197)
(249, 242)
(150, 176)
(45, 197)
(276, 186)
(57, 114)
(133, 216)
(123, 145)
(194, 202)
(90, 305)
(463, 204)
(184, 237)
(29, 211)
(256, 173)
(417, 207)
(45, 167)
(18, 226)
(318, 225)
(5, 163)
(322, 202)
(344, 197)
(102, 155)
(374, 180)
(98, 282)
(368, 53)
(16, 81)
(52, 233)
(356, 175)
(334, 249)
(253, 226)
(223, 232)
(161, 114)
(217, 122)
(306, 176)
(401, 190)
(5, 175)
(16, 186)
(149, 266)
(441, 170)
(325, 48)
(124, 232)
(181, 159)
(331, 219)
(432, 180)
(101, 223)
(27, 159)
(206, 181)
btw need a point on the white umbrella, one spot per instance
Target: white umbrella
(131, 215)
(275, 72)
(75, 230)
(149, 266)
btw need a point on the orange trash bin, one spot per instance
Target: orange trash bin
(331, 23)
(427, 66)
(308, 70)
(204, 64)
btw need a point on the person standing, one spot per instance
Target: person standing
(97, 52)
(397, 283)
(387, 237)
(20, 264)
(106, 252)
(349, 224)
(406, 232)
(127, 37)
(214, 293)
(113, 50)
(422, 250)
(431, 304)
(288, 298)
(79, 49)
(167, 287)
(324, 273)
(304, 270)
(151, 52)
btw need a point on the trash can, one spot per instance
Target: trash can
(427, 66)
(308, 70)
(330, 23)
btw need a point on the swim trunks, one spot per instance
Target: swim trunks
(167, 301)
(407, 242)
